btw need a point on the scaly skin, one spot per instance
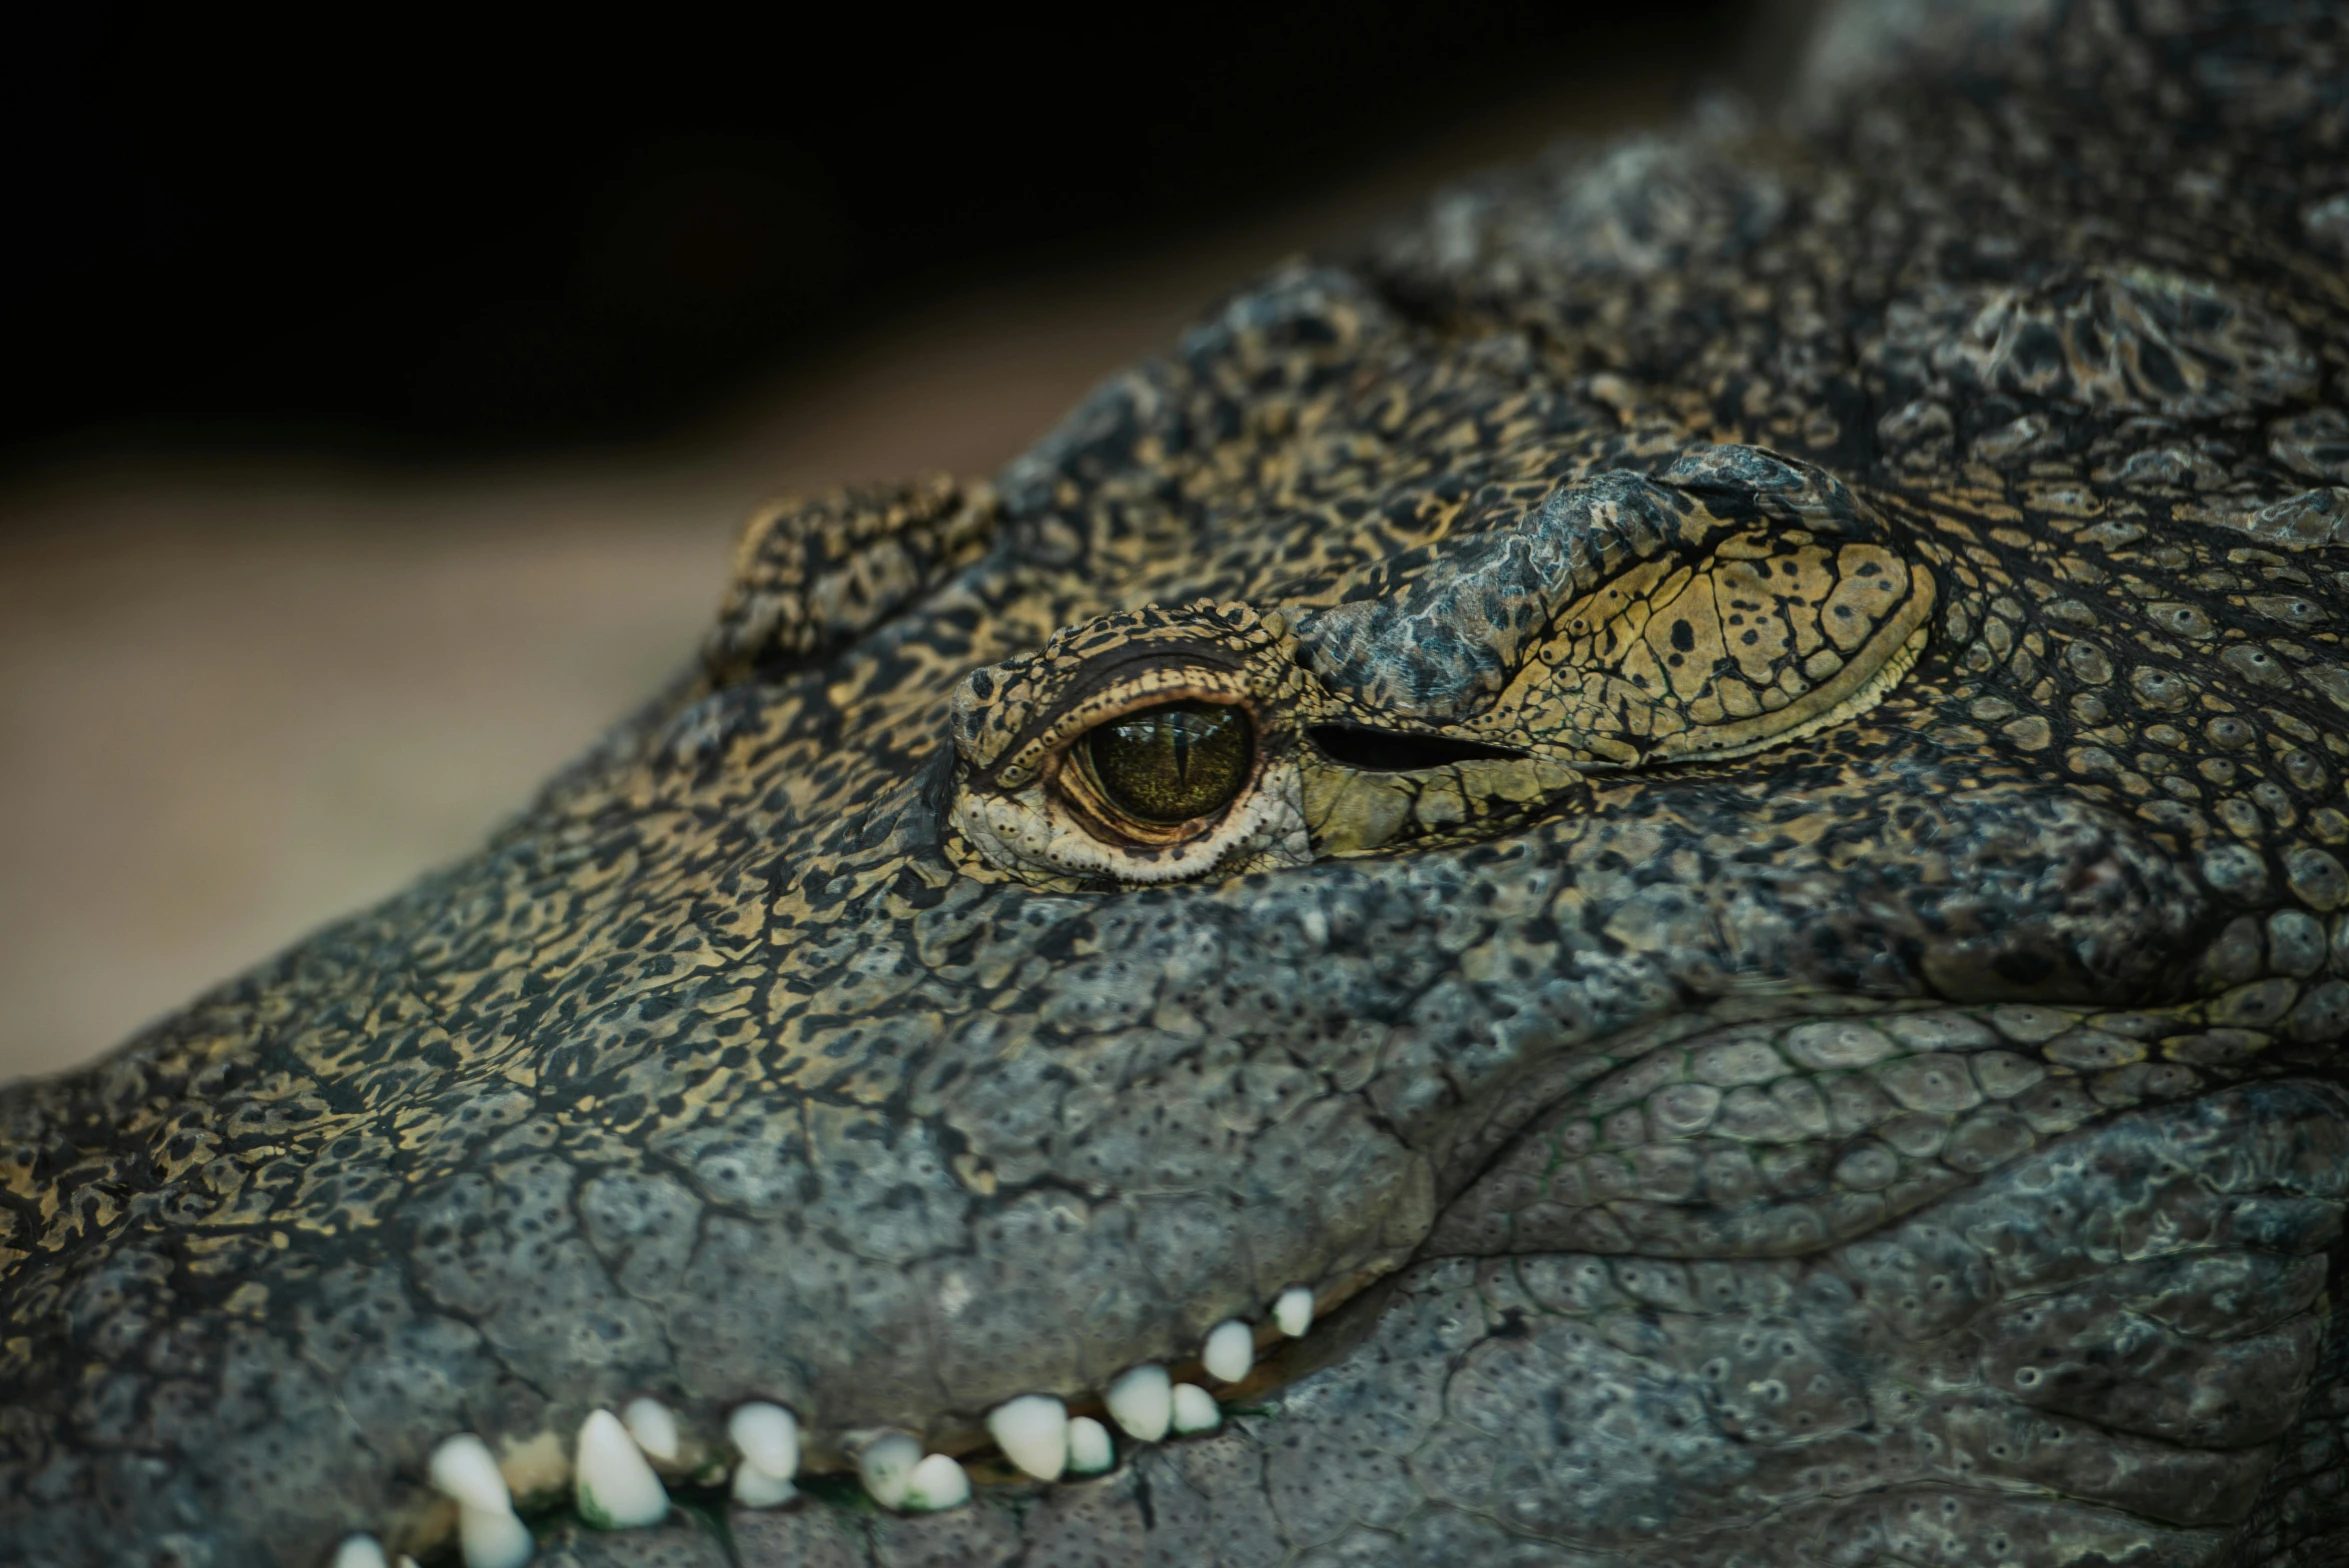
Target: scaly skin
(1770, 1102)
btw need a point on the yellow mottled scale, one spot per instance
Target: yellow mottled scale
(1350, 811)
(1766, 640)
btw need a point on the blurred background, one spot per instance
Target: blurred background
(382, 389)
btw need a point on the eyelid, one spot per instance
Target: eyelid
(1043, 751)
(1371, 750)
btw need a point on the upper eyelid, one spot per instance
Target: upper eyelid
(1119, 699)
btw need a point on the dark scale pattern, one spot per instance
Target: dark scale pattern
(1790, 1012)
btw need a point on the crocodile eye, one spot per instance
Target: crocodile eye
(1171, 764)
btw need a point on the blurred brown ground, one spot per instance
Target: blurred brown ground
(238, 698)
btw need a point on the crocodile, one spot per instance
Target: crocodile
(1650, 871)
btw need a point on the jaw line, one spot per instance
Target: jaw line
(1348, 1308)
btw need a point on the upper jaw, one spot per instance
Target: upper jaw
(967, 1142)
(1031, 1207)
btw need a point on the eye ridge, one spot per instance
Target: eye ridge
(1174, 763)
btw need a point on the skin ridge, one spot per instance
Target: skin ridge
(1917, 1141)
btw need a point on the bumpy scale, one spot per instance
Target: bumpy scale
(1648, 874)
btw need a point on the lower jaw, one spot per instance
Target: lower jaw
(2095, 1355)
(545, 1496)
(1687, 1222)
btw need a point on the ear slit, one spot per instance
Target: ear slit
(1398, 751)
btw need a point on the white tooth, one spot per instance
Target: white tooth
(1294, 1311)
(887, 1466)
(1032, 1430)
(1139, 1401)
(1089, 1450)
(653, 1427)
(486, 1527)
(754, 1488)
(360, 1551)
(1195, 1409)
(614, 1487)
(937, 1482)
(492, 1540)
(406, 1561)
(463, 1469)
(768, 1436)
(1230, 1352)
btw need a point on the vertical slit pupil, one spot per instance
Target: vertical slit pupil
(1173, 763)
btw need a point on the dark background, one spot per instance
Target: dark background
(409, 234)
(382, 390)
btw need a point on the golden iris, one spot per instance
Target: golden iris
(1173, 763)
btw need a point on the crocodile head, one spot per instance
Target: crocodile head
(1650, 876)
